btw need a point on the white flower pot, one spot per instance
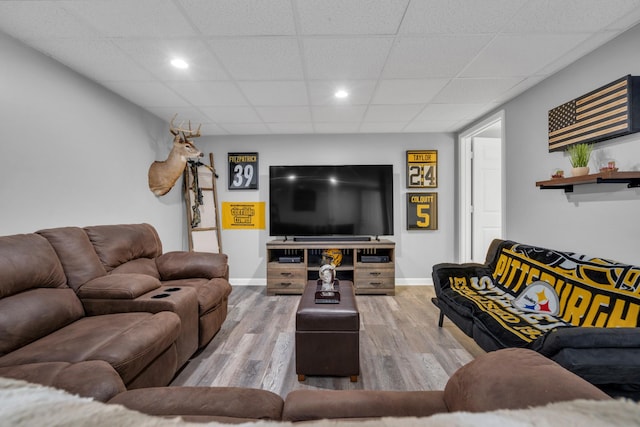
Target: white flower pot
(580, 171)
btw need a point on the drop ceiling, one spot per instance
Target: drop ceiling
(273, 66)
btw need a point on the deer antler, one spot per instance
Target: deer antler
(186, 133)
(193, 134)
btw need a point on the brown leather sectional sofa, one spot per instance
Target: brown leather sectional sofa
(101, 312)
(108, 293)
(504, 379)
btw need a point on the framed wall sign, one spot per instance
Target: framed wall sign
(422, 168)
(422, 211)
(243, 215)
(243, 171)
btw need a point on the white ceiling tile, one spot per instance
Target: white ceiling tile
(260, 58)
(474, 91)
(140, 18)
(275, 93)
(345, 58)
(431, 126)
(99, 60)
(42, 20)
(322, 92)
(519, 88)
(338, 113)
(432, 56)
(458, 16)
(241, 17)
(246, 128)
(291, 128)
(339, 17)
(382, 127)
(289, 115)
(147, 94)
(181, 113)
(625, 20)
(407, 91)
(208, 93)
(392, 113)
(336, 127)
(521, 54)
(593, 42)
(228, 115)
(449, 112)
(553, 16)
(213, 129)
(156, 56)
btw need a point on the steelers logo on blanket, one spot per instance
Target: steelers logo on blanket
(538, 297)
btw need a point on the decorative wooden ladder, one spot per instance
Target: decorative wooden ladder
(201, 199)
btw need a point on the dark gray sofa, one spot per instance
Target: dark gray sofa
(579, 311)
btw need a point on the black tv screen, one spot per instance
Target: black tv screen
(348, 200)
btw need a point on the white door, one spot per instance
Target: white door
(486, 215)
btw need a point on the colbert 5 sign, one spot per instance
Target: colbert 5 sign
(422, 211)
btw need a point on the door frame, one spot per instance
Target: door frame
(465, 141)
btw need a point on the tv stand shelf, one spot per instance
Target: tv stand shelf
(290, 264)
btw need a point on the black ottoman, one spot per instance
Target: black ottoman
(328, 335)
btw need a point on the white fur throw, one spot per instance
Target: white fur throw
(23, 404)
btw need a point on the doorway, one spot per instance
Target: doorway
(481, 187)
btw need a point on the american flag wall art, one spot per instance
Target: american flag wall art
(607, 112)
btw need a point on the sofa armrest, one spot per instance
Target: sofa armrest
(441, 273)
(186, 265)
(95, 378)
(307, 405)
(118, 286)
(514, 378)
(200, 404)
(585, 338)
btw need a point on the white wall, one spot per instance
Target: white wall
(416, 251)
(73, 153)
(598, 220)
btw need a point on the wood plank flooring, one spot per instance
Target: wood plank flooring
(401, 346)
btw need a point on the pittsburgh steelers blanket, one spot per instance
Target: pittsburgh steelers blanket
(526, 291)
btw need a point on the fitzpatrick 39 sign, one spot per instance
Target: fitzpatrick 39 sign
(422, 211)
(243, 171)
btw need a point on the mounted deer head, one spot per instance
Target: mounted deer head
(163, 175)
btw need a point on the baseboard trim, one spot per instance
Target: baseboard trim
(399, 282)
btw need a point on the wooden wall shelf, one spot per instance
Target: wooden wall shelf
(631, 178)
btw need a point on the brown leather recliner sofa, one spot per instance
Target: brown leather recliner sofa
(122, 268)
(108, 293)
(504, 379)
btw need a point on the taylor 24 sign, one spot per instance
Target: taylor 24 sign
(422, 169)
(422, 211)
(243, 171)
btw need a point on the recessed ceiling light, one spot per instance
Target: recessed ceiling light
(179, 63)
(341, 93)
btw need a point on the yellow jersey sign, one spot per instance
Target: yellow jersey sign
(243, 215)
(422, 211)
(422, 169)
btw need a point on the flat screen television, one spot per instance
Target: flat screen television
(323, 201)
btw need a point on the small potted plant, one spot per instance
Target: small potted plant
(579, 155)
